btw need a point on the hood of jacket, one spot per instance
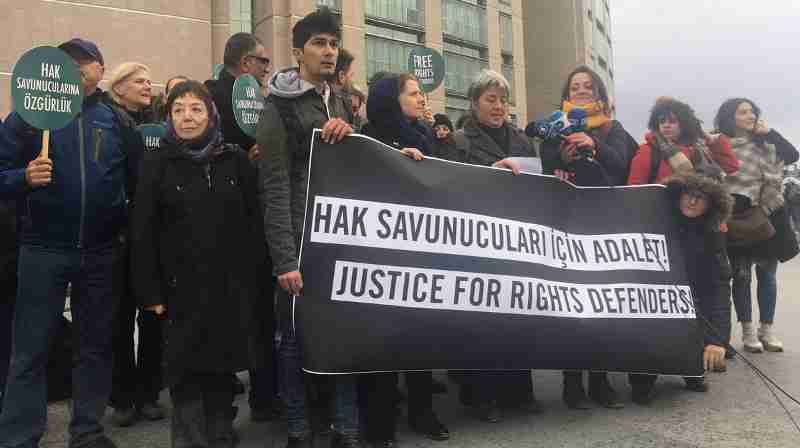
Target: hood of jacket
(288, 84)
(720, 202)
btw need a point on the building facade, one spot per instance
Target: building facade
(559, 36)
(534, 43)
(188, 36)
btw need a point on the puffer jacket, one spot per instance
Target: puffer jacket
(94, 164)
(704, 251)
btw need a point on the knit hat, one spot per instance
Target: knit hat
(442, 119)
(81, 49)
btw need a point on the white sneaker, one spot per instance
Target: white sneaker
(751, 342)
(767, 337)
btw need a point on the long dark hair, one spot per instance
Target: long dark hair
(691, 126)
(598, 86)
(725, 121)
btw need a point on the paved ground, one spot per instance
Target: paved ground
(737, 412)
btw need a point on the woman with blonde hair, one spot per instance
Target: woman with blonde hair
(136, 377)
(131, 89)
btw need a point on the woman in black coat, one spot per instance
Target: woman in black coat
(394, 106)
(197, 242)
(601, 156)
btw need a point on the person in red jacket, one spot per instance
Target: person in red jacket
(677, 144)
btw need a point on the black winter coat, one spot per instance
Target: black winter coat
(197, 244)
(474, 146)
(222, 92)
(704, 251)
(615, 150)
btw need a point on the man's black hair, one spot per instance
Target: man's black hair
(343, 63)
(237, 47)
(318, 22)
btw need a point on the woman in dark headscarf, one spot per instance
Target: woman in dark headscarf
(197, 241)
(394, 106)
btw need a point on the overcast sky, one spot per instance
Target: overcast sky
(705, 51)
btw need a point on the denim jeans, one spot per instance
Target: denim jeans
(767, 288)
(43, 277)
(345, 418)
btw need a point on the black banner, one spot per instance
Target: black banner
(439, 265)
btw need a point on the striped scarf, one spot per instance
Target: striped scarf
(760, 175)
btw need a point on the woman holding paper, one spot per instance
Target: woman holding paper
(486, 139)
(197, 241)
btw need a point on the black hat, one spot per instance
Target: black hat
(442, 119)
(81, 49)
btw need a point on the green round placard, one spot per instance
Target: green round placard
(427, 65)
(46, 88)
(151, 134)
(248, 102)
(215, 72)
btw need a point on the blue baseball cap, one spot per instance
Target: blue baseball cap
(81, 49)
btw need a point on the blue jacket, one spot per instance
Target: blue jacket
(85, 205)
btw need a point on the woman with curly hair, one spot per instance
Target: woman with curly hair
(676, 143)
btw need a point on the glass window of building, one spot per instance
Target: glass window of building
(459, 72)
(456, 107)
(464, 20)
(334, 5)
(508, 72)
(403, 12)
(506, 34)
(387, 55)
(241, 14)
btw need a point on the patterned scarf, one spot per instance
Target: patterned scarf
(595, 112)
(760, 175)
(203, 148)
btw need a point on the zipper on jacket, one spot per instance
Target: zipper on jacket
(83, 179)
(98, 143)
(207, 169)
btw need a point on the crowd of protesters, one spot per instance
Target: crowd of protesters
(196, 244)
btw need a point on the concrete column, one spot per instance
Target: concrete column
(353, 38)
(220, 29)
(520, 64)
(433, 39)
(493, 34)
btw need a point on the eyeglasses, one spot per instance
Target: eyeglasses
(259, 59)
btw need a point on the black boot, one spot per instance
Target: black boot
(300, 442)
(489, 412)
(696, 384)
(429, 425)
(574, 395)
(346, 441)
(601, 391)
(642, 387)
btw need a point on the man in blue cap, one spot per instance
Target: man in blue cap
(73, 209)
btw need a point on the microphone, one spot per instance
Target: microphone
(550, 127)
(578, 119)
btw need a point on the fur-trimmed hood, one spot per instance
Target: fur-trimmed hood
(720, 201)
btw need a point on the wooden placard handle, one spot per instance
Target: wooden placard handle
(45, 154)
